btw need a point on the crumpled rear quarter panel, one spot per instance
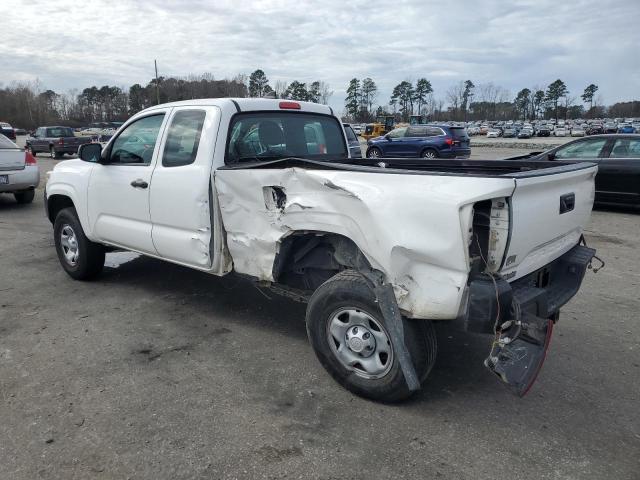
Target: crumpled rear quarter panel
(414, 228)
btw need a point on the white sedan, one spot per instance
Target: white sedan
(19, 173)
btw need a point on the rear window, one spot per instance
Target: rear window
(274, 135)
(5, 143)
(458, 132)
(59, 132)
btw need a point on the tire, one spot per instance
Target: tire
(89, 259)
(25, 197)
(429, 153)
(33, 152)
(55, 155)
(346, 301)
(374, 152)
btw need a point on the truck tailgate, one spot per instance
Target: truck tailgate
(548, 214)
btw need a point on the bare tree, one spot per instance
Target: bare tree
(280, 87)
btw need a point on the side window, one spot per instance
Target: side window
(183, 138)
(351, 136)
(582, 149)
(416, 131)
(625, 148)
(434, 132)
(135, 143)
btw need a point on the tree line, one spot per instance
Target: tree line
(29, 105)
(465, 101)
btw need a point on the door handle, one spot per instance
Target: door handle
(567, 202)
(139, 183)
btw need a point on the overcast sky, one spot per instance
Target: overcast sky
(75, 44)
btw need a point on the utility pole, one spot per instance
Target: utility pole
(157, 84)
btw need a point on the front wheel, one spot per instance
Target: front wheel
(374, 152)
(350, 338)
(81, 258)
(32, 150)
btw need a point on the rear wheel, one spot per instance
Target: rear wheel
(429, 153)
(33, 152)
(350, 338)
(374, 152)
(81, 258)
(25, 197)
(54, 154)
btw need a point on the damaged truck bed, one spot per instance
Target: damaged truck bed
(379, 249)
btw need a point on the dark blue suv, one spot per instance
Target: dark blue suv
(427, 141)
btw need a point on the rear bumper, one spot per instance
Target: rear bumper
(66, 148)
(541, 293)
(26, 179)
(521, 316)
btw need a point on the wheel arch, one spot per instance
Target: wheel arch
(307, 258)
(57, 202)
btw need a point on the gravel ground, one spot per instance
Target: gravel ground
(154, 371)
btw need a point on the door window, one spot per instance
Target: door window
(626, 148)
(183, 139)
(398, 132)
(135, 144)
(582, 150)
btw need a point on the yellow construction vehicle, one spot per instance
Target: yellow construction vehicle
(383, 125)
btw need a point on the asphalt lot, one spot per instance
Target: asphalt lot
(155, 371)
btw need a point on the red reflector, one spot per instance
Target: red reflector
(448, 141)
(28, 158)
(290, 105)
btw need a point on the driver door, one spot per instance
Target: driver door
(118, 191)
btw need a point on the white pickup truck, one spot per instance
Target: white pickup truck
(380, 251)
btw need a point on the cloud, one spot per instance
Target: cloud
(67, 45)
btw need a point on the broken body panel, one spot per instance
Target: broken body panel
(415, 228)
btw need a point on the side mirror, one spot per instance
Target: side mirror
(387, 137)
(90, 152)
(551, 156)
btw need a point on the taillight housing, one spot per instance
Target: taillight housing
(448, 141)
(61, 141)
(28, 158)
(490, 233)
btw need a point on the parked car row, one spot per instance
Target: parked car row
(546, 128)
